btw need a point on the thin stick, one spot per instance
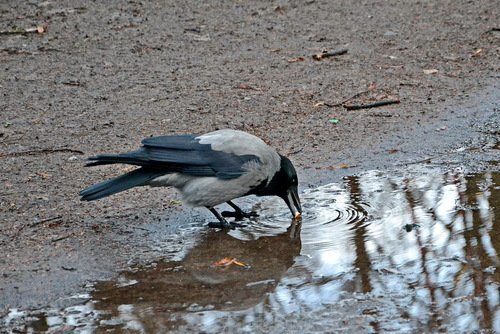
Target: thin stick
(36, 30)
(62, 237)
(491, 30)
(370, 105)
(19, 230)
(327, 54)
(346, 100)
(15, 32)
(46, 220)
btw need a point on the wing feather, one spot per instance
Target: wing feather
(182, 154)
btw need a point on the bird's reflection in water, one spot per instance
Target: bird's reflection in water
(378, 253)
(196, 283)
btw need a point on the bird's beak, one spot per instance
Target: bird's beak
(293, 201)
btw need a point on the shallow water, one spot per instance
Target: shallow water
(410, 252)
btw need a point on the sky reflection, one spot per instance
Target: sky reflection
(376, 253)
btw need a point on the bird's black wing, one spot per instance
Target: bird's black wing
(183, 154)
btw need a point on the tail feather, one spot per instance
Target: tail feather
(135, 178)
(131, 158)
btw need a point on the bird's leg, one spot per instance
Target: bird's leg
(222, 223)
(238, 214)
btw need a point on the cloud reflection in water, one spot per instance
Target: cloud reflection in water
(377, 253)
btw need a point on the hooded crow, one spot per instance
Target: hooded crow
(208, 170)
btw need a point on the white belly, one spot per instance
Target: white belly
(207, 191)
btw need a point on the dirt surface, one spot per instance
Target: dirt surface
(103, 76)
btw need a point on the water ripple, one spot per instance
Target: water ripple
(404, 252)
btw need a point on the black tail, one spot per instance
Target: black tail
(132, 158)
(135, 178)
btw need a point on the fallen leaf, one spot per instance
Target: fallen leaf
(175, 202)
(341, 166)
(241, 264)
(224, 262)
(275, 50)
(319, 104)
(52, 225)
(431, 71)
(295, 60)
(319, 56)
(382, 96)
(227, 261)
(279, 9)
(477, 53)
(43, 174)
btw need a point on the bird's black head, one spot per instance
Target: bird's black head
(283, 184)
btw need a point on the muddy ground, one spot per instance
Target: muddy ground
(102, 76)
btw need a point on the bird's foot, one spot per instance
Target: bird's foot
(239, 215)
(226, 225)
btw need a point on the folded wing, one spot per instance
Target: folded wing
(182, 154)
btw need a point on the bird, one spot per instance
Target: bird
(208, 170)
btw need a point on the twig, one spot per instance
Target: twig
(246, 87)
(370, 105)
(19, 230)
(73, 83)
(346, 100)
(41, 151)
(37, 30)
(16, 234)
(46, 220)
(14, 32)
(327, 54)
(141, 228)
(62, 237)
(491, 30)
(381, 115)
(15, 51)
(296, 151)
(68, 268)
(426, 160)
(341, 166)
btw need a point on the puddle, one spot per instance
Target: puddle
(403, 253)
